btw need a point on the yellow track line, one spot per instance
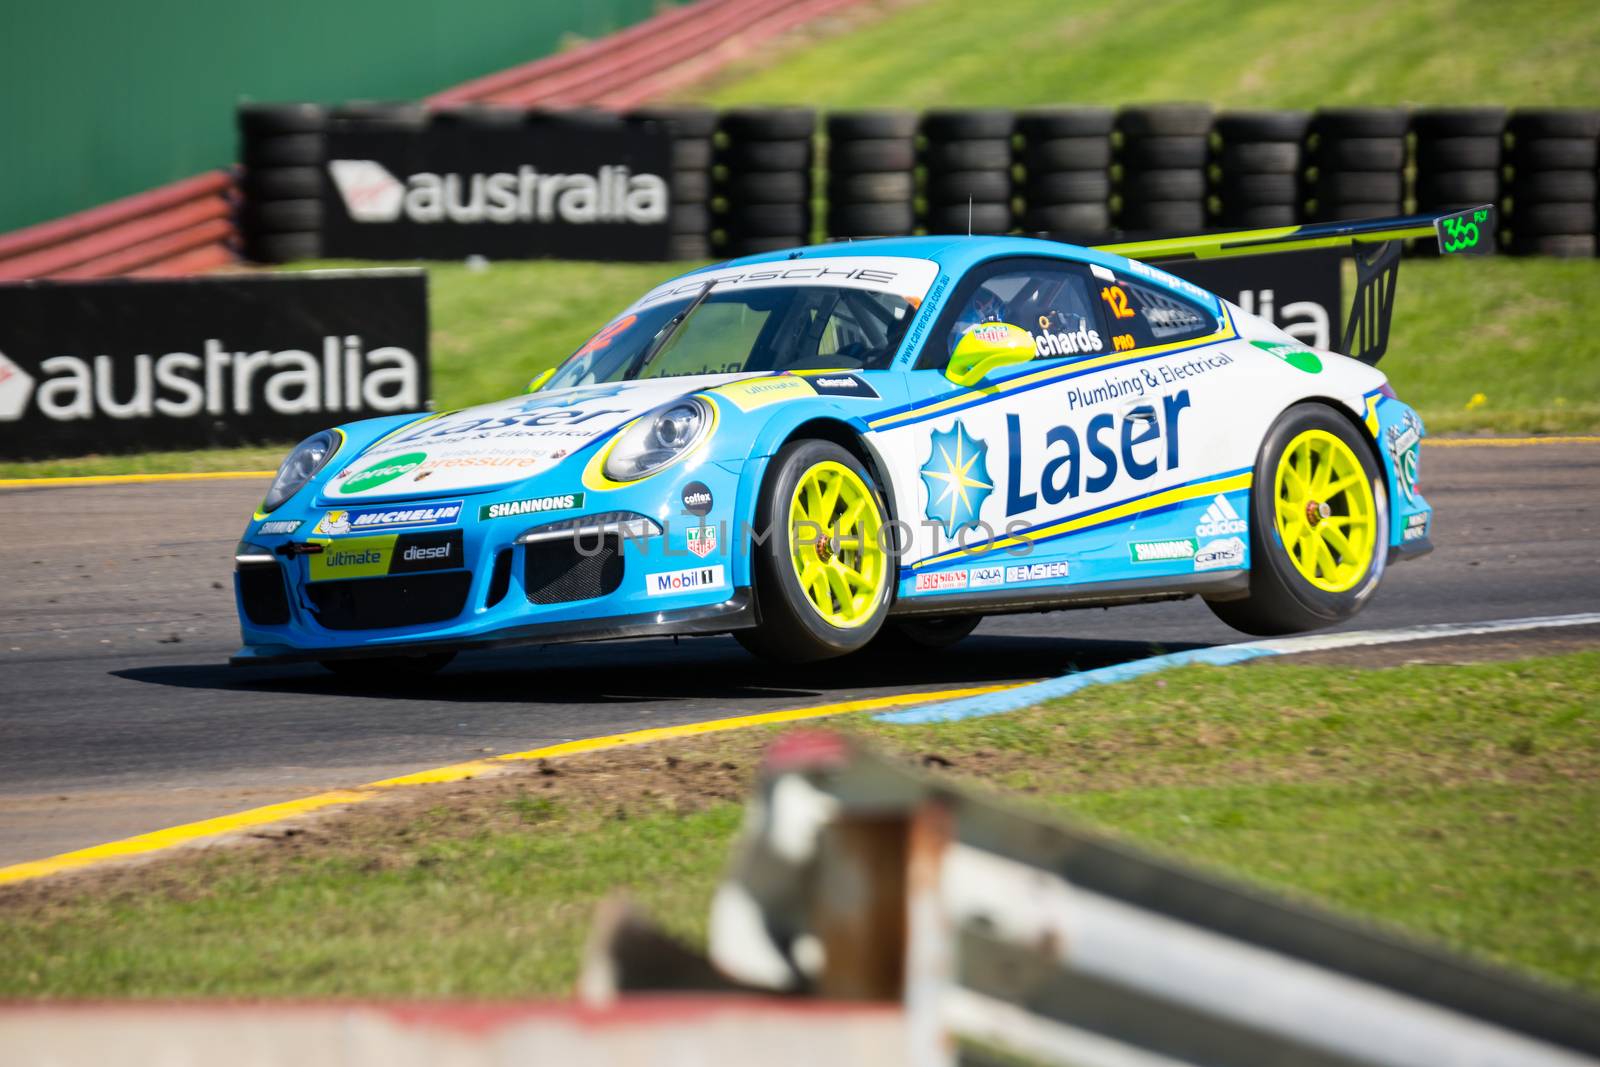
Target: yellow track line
(125, 479)
(173, 836)
(1509, 442)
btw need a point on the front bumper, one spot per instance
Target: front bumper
(738, 612)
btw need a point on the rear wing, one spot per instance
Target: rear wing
(1373, 244)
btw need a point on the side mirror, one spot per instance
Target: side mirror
(984, 347)
(539, 379)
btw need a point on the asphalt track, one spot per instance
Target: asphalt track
(118, 714)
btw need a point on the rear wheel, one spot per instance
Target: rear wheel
(1319, 527)
(823, 575)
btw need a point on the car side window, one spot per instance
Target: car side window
(1141, 315)
(1053, 300)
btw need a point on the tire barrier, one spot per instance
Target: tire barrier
(1359, 156)
(283, 151)
(966, 157)
(763, 186)
(1553, 192)
(1260, 168)
(1458, 160)
(1162, 157)
(692, 130)
(1066, 163)
(871, 173)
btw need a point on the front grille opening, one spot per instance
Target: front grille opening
(555, 572)
(384, 603)
(499, 578)
(262, 592)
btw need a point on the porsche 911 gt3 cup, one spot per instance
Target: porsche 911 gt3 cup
(806, 448)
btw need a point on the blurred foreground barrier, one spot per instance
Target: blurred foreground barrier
(1011, 939)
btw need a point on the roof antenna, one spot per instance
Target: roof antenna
(969, 216)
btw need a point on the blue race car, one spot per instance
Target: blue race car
(806, 448)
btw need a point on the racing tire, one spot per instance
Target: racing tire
(763, 187)
(1554, 187)
(1336, 210)
(1315, 583)
(824, 595)
(871, 125)
(479, 116)
(382, 114)
(767, 155)
(1050, 124)
(954, 187)
(1368, 186)
(1562, 246)
(770, 124)
(691, 186)
(267, 120)
(684, 122)
(1069, 187)
(874, 156)
(389, 669)
(982, 218)
(871, 220)
(1461, 187)
(1263, 157)
(1167, 217)
(1086, 155)
(284, 216)
(1347, 122)
(690, 218)
(968, 124)
(1256, 216)
(691, 153)
(920, 635)
(743, 245)
(769, 220)
(1458, 153)
(889, 188)
(1165, 153)
(1539, 220)
(1555, 153)
(1171, 120)
(1361, 153)
(968, 155)
(1555, 122)
(1165, 185)
(283, 183)
(689, 246)
(1073, 219)
(283, 247)
(1437, 122)
(284, 150)
(1275, 127)
(1260, 189)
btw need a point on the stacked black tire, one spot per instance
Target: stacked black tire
(1359, 157)
(966, 156)
(692, 130)
(1163, 156)
(1553, 156)
(1066, 164)
(871, 173)
(1260, 165)
(282, 147)
(764, 179)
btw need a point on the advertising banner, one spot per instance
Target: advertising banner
(1299, 291)
(564, 187)
(128, 365)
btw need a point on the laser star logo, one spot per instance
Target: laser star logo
(957, 477)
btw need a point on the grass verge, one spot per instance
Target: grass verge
(1458, 801)
(1480, 346)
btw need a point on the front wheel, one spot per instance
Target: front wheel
(823, 574)
(1319, 526)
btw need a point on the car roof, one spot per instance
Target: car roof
(956, 254)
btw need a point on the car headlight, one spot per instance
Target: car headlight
(308, 457)
(652, 441)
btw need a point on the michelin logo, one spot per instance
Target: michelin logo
(374, 195)
(1220, 518)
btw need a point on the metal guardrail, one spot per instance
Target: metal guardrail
(1008, 936)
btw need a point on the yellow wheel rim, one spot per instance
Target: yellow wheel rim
(839, 561)
(1326, 514)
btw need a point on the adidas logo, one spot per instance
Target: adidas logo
(1220, 518)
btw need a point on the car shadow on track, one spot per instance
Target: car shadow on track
(697, 669)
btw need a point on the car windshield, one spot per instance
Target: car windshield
(729, 322)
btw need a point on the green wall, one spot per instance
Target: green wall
(103, 98)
